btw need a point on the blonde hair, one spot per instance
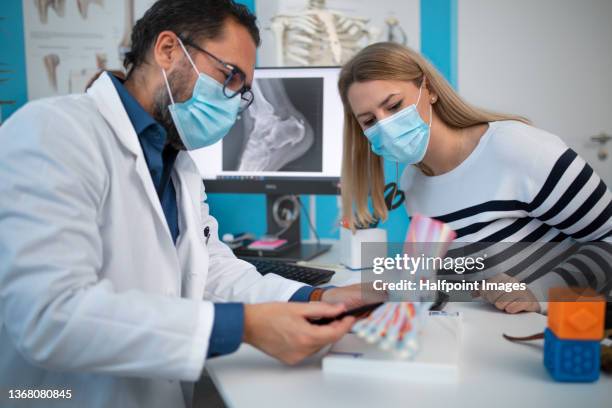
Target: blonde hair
(362, 171)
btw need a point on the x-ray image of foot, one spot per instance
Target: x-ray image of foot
(51, 62)
(277, 132)
(83, 6)
(42, 6)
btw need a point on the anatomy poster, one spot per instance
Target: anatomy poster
(68, 41)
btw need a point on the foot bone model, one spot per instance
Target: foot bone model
(277, 132)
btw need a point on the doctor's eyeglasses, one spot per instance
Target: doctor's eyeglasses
(235, 78)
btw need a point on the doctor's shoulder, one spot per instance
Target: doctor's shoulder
(57, 130)
(61, 119)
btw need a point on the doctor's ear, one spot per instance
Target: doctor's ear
(166, 50)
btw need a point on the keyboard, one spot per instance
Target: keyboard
(304, 274)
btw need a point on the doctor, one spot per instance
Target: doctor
(114, 286)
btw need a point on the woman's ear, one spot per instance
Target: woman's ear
(433, 97)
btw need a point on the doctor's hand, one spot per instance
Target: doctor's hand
(512, 302)
(283, 331)
(355, 295)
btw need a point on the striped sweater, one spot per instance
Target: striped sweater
(525, 189)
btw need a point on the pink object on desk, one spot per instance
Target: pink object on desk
(267, 245)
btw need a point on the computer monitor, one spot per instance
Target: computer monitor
(288, 142)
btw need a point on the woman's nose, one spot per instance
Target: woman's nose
(382, 115)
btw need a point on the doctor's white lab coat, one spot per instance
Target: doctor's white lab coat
(94, 295)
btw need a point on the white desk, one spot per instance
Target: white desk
(494, 372)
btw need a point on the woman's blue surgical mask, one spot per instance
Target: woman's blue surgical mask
(402, 137)
(208, 115)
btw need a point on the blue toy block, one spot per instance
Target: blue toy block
(571, 360)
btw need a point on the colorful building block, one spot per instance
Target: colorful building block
(571, 360)
(576, 313)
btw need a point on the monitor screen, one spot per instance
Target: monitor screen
(291, 132)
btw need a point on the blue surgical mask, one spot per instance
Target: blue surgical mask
(402, 137)
(207, 116)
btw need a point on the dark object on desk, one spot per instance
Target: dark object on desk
(290, 252)
(537, 336)
(364, 311)
(358, 312)
(304, 274)
(606, 359)
(441, 301)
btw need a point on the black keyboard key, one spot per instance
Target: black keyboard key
(304, 274)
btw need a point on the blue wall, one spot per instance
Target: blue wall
(12, 56)
(237, 212)
(439, 36)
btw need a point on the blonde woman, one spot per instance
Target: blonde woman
(492, 177)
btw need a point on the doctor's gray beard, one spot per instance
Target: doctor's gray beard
(179, 84)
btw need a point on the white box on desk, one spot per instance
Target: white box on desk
(350, 247)
(436, 362)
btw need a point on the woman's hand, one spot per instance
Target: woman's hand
(511, 302)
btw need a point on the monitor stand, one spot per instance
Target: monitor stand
(295, 250)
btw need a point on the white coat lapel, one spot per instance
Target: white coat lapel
(110, 106)
(192, 247)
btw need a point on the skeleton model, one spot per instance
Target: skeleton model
(319, 36)
(43, 8)
(277, 132)
(395, 32)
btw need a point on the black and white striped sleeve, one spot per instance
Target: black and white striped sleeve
(575, 201)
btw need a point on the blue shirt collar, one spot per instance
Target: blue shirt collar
(140, 118)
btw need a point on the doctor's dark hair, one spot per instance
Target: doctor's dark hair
(194, 19)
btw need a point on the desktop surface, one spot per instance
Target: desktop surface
(493, 371)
